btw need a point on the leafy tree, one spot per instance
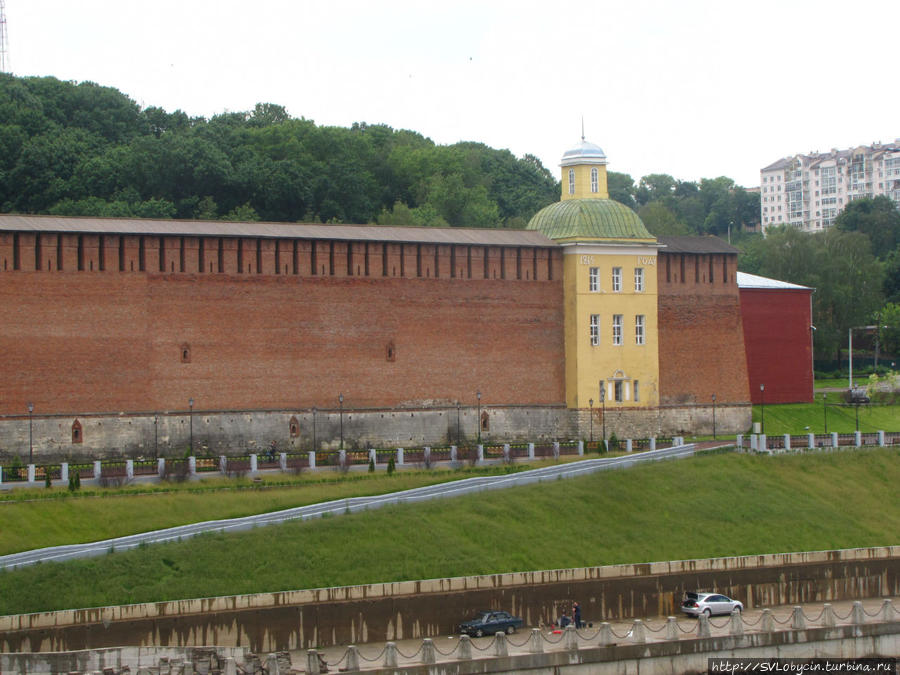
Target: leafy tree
(877, 218)
(621, 188)
(890, 336)
(661, 221)
(654, 187)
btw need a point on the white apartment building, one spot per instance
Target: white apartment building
(808, 191)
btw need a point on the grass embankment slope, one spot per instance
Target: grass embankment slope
(706, 506)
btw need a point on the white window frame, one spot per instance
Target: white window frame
(594, 279)
(638, 279)
(639, 333)
(637, 392)
(618, 321)
(595, 330)
(595, 180)
(617, 279)
(571, 181)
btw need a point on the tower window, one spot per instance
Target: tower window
(618, 391)
(594, 279)
(637, 392)
(638, 279)
(639, 329)
(617, 329)
(595, 182)
(571, 181)
(595, 329)
(616, 279)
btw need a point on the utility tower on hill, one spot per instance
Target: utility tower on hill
(4, 40)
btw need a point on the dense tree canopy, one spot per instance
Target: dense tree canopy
(84, 149)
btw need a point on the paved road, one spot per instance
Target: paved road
(372, 655)
(341, 506)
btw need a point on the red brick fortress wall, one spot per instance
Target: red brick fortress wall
(701, 339)
(123, 323)
(779, 347)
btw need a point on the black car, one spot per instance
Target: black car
(488, 622)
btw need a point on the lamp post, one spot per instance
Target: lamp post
(156, 435)
(314, 429)
(591, 404)
(714, 416)
(341, 401)
(478, 396)
(30, 434)
(825, 410)
(856, 405)
(191, 404)
(762, 391)
(457, 424)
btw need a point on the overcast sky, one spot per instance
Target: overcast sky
(686, 87)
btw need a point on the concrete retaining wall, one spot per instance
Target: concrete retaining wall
(378, 612)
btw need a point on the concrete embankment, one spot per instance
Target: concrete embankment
(294, 620)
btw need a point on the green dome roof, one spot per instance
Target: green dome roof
(589, 219)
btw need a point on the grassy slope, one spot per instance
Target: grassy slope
(791, 418)
(706, 506)
(56, 517)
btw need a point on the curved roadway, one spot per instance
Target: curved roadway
(337, 507)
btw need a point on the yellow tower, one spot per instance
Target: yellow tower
(609, 289)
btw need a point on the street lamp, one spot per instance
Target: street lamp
(156, 435)
(478, 396)
(341, 401)
(825, 410)
(30, 434)
(714, 416)
(591, 404)
(457, 424)
(314, 429)
(762, 391)
(191, 404)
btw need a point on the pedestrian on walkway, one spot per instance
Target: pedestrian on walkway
(576, 614)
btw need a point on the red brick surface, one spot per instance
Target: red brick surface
(82, 341)
(701, 339)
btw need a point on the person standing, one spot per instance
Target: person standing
(576, 615)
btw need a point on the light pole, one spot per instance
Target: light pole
(478, 396)
(856, 405)
(457, 424)
(341, 401)
(30, 434)
(156, 435)
(762, 391)
(591, 404)
(714, 416)
(314, 429)
(825, 410)
(191, 404)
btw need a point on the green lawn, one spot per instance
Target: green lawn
(793, 418)
(717, 505)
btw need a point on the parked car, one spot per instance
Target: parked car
(696, 604)
(488, 622)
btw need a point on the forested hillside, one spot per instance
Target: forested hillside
(85, 149)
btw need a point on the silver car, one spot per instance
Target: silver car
(696, 604)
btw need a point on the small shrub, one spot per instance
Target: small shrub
(613, 443)
(371, 465)
(391, 467)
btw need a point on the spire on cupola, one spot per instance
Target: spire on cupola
(584, 171)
